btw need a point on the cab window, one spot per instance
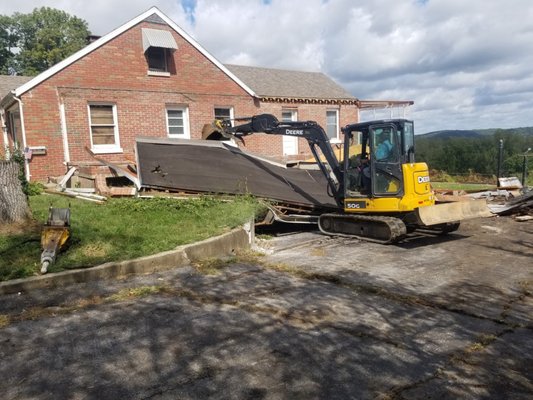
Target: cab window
(385, 144)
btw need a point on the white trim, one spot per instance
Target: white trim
(63, 121)
(3, 126)
(108, 150)
(186, 128)
(104, 39)
(24, 143)
(336, 139)
(290, 143)
(157, 73)
(105, 148)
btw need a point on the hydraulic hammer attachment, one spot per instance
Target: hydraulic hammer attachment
(453, 212)
(54, 235)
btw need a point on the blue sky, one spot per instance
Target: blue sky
(465, 64)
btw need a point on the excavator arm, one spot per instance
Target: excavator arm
(309, 130)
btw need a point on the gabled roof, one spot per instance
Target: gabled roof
(271, 83)
(152, 13)
(10, 82)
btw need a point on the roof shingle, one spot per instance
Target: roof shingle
(9, 83)
(269, 82)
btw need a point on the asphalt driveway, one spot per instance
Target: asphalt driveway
(316, 318)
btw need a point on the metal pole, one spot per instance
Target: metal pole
(500, 162)
(524, 169)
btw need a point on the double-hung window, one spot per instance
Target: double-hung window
(332, 125)
(290, 143)
(224, 113)
(178, 122)
(289, 115)
(104, 128)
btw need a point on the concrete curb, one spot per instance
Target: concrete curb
(219, 246)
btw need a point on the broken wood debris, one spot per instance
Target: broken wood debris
(78, 195)
(519, 205)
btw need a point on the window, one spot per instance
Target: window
(104, 129)
(157, 59)
(15, 127)
(385, 143)
(158, 46)
(289, 115)
(332, 124)
(224, 113)
(178, 122)
(289, 143)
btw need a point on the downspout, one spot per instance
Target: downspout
(24, 143)
(64, 133)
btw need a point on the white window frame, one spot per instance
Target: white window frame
(186, 128)
(294, 114)
(105, 148)
(227, 108)
(290, 144)
(336, 139)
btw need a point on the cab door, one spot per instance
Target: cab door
(386, 168)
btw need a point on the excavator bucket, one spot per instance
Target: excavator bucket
(453, 212)
(211, 132)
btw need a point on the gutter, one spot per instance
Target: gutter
(23, 126)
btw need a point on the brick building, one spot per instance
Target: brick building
(150, 78)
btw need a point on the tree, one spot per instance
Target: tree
(13, 202)
(42, 38)
(7, 43)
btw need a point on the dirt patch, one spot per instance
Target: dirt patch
(23, 228)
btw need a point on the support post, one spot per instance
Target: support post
(500, 162)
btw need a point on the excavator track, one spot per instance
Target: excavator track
(378, 229)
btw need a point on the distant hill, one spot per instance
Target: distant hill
(450, 134)
(473, 133)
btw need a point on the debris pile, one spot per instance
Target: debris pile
(520, 206)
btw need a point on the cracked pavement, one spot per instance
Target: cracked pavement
(316, 318)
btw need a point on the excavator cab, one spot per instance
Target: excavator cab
(377, 171)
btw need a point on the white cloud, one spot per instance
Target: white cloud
(465, 64)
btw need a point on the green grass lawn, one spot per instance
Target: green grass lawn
(462, 186)
(121, 229)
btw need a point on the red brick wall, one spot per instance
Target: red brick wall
(117, 73)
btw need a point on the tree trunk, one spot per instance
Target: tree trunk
(13, 202)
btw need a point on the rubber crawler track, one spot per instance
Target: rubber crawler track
(378, 229)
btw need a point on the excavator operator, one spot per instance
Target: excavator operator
(384, 148)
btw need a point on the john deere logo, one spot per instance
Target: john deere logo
(423, 179)
(297, 132)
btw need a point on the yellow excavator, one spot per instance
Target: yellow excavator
(382, 193)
